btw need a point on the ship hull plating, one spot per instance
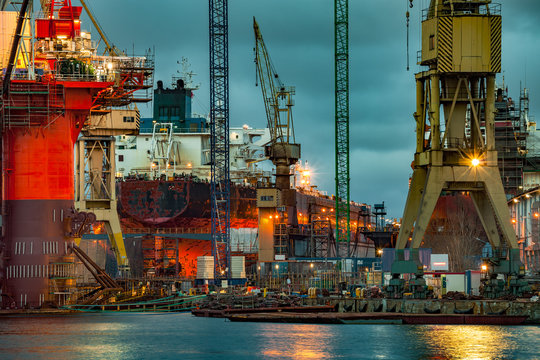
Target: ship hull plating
(38, 190)
(38, 270)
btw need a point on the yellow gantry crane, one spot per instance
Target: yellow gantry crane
(455, 98)
(281, 150)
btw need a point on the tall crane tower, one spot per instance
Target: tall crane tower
(277, 206)
(455, 149)
(341, 32)
(219, 136)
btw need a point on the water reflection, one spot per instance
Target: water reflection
(181, 336)
(467, 342)
(286, 341)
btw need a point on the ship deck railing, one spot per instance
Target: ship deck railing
(181, 230)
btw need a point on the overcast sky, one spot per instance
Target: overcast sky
(300, 37)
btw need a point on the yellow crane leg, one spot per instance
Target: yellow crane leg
(117, 242)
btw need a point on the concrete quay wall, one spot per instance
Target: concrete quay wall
(432, 306)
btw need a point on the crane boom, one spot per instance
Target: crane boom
(111, 49)
(282, 149)
(277, 97)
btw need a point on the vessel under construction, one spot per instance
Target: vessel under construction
(52, 80)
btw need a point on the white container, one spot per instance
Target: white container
(238, 267)
(205, 267)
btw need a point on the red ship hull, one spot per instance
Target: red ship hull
(38, 188)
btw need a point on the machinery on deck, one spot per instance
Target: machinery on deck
(277, 205)
(461, 46)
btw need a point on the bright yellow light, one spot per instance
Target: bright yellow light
(331, 210)
(277, 266)
(516, 201)
(380, 251)
(189, 165)
(475, 162)
(311, 265)
(323, 210)
(536, 215)
(484, 267)
(513, 221)
(109, 66)
(270, 216)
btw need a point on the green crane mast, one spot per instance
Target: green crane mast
(341, 32)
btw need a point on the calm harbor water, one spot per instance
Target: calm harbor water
(181, 336)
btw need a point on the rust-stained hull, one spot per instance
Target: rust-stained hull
(175, 206)
(179, 204)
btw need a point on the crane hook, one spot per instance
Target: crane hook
(407, 16)
(411, 4)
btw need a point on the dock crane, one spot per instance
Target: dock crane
(282, 150)
(220, 186)
(341, 61)
(461, 50)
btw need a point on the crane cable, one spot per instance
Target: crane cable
(407, 15)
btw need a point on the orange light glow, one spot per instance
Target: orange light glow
(513, 221)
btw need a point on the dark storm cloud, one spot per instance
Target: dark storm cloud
(299, 35)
